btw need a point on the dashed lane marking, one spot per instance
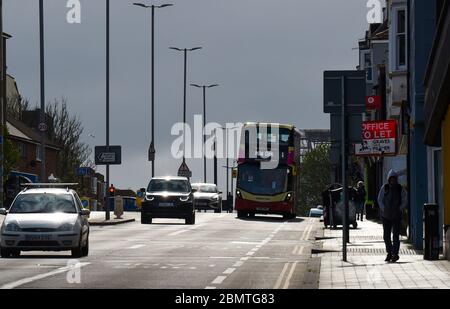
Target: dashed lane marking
(291, 272)
(219, 280)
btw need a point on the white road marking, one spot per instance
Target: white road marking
(309, 232)
(136, 246)
(219, 280)
(238, 264)
(245, 242)
(178, 232)
(291, 272)
(229, 271)
(244, 258)
(280, 278)
(24, 281)
(300, 252)
(210, 288)
(250, 253)
(295, 250)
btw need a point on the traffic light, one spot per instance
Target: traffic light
(112, 190)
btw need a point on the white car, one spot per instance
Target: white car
(207, 197)
(45, 219)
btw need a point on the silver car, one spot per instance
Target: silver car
(207, 197)
(45, 219)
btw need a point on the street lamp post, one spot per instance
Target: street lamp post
(185, 51)
(152, 142)
(42, 117)
(107, 214)
(204, 123)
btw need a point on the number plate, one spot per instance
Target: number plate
(165, 204)
(38, 237)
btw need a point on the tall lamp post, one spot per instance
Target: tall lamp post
(185, 51)
(151, 150)
(204, 123)
(42, 120)
(107, 214)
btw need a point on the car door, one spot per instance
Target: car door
(84, 219)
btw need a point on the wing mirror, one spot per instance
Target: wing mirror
(3, 212)
(85, 212)
(194, 190)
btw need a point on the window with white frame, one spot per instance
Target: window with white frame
(367, 62)
(38, 153)
(400, 39)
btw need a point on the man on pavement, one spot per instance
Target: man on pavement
(392, 199)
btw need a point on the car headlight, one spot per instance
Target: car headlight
(12, 227)
(66, 227)
(149, 197)
(185, 199)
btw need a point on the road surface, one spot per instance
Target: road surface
(219, 252)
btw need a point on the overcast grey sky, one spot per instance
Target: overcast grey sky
(267, 55)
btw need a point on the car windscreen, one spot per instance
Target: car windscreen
(207, 189)
(43, 203)
(253, 179)
(162, 185)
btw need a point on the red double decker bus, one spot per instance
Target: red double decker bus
(268, 190)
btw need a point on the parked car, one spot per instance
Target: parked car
(45, 219)
(207, 197)
(168, 197)
(316, 212)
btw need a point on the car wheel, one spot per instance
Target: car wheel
(355, 225)
(217, 211)
(15, 253)
(77, 252)
(190, 220)
(5, 253)
(85, 249)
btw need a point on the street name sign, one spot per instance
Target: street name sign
(108, 155)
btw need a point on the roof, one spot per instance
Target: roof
(169, 178)
(47, 190)
(203, 184)
(21, 131)
(283, 126)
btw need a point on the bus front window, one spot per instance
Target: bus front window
(255, 180)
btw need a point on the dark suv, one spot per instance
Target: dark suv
(168, 197)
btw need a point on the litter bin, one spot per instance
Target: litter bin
(431, 231)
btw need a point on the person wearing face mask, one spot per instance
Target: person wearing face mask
(392, 200)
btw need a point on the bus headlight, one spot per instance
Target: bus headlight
(238, 194)
(288, 197)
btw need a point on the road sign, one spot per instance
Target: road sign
(354, 91)
(105, 155)
(184, 170)
(84, 171)
(151, 152)
(43, 127)
(373, 102)
(354, 123)
(379, 139)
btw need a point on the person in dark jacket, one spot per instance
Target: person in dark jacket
(392, 199)
(360, 200)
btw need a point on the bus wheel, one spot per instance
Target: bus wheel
(241, 214)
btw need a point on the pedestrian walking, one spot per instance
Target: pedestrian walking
(392, 199)
(360, 200)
